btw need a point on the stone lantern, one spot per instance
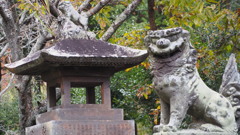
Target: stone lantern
(85, 64)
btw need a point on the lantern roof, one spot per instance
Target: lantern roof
(78, 53)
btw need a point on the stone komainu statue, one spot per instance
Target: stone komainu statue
(182, 91)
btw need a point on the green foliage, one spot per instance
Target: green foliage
(125, 87)
(9, 113)
(78, 95)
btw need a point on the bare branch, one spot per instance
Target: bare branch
(84, 5)
(98, 7)
(3, 39)
(30, 42)
(27, 19)
(9, 86)
(23, 16)
(119, 20)
(4, 50)
(1, 21)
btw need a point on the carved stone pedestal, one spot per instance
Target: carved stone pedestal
(194, 132)
(84, 127)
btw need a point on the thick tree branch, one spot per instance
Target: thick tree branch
(7, 12)
(119, 20)
(40, 42)
(84, 5)
(4, 11)
(11, 28)
(53, 9)
(69, 11)
(98, 7)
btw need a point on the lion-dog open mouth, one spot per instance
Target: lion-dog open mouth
(167, 43)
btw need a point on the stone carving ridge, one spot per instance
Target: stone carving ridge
(182, 91)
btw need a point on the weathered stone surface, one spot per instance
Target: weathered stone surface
(94, 127)
(180, 88)
(78, 53)
(230, 87)
(194, 132)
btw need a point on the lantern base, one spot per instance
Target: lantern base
(90, 127)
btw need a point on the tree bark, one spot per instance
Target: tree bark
(151, 15)
(25, 102)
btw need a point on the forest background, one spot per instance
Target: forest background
(215, 33)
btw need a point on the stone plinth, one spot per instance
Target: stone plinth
(85, 127)
(194, 132)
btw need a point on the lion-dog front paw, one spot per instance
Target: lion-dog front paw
(164, 128)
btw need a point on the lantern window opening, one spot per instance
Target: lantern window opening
(86, 94)
(59, 99)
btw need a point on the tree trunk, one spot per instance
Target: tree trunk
(25, 102)
(11, 30)
(151, 15)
